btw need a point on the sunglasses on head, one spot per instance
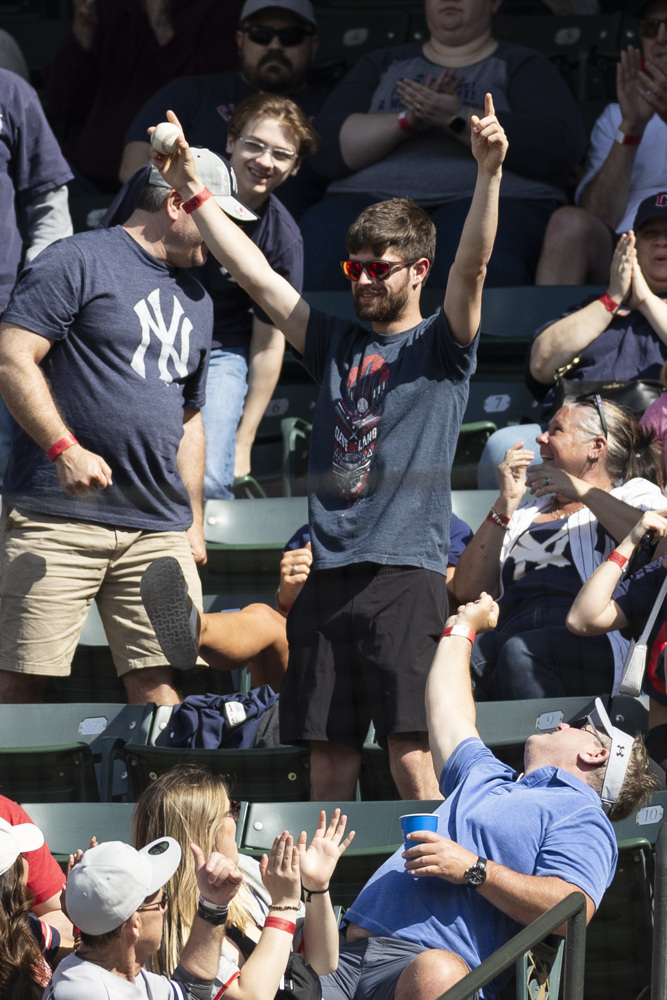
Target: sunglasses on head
(263, 34)
(378, 269)
(650, 26)
(596, 399)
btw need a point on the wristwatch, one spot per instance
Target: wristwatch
(459, 121)
(476, 874)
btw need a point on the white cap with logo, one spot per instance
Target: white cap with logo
(217, 175)
(112, 880)
(619, 755)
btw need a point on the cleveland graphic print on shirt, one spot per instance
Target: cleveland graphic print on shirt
(357, 417)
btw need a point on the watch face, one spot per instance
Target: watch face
(476, 874)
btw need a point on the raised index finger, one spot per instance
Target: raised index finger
(488, 105)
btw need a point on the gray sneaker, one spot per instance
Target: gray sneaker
(171, 612)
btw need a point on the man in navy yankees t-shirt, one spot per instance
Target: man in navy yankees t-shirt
(103, 358)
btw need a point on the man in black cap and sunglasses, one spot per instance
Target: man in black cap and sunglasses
(277, 42)
(626, 161)
(363, 630)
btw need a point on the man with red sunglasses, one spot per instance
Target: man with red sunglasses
(363, 631)
(625, 163)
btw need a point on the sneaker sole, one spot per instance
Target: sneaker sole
(172, 614)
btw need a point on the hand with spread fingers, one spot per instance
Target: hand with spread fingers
(512, 475)
(319, 859)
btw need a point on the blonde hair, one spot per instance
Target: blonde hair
(189, 804)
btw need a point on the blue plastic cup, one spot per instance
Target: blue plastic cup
(414, 822)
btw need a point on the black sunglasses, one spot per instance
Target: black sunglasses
(584, 721)
(263, 34)
(378, 269)
(650, 26)
(596, 399)
(234, 810)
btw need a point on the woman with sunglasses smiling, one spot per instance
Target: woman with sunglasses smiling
(193, 806)
(598, 466)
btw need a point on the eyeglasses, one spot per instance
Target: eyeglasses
(254, 148)
(584, 721)
(161, 905)
(263, 34)
(650, 26)
(234, 810)
(378, 269)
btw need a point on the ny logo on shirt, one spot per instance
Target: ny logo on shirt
(150, 316)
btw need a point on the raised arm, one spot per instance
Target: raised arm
(478, 568)
(244, 261)
(565, 339)
(594, 611)
(606, 193)
(463, 298)
(450, 707)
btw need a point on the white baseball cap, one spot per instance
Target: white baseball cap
(112, 880)
(619, 755)
(15, 840)
(217, 175)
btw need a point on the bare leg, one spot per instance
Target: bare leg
(577, 249)
(256, 635)
(17, 689)
(152, 684)
(429, 975)
(334, 770)
(412, 766)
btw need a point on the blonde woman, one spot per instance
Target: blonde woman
(193, 806)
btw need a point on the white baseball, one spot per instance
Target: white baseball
(164, 138)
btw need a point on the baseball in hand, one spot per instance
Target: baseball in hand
(164, 138)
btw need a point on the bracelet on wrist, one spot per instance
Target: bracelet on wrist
(198, 199)
(618, 558)
(500, 519)
(279, 924)
(214, 907)
(611, 305)
(285, 906)
(463, 630)
(284, 609)
(405, 123)
(624, 139)
(61, 445)
(216, 919)
(309, 893)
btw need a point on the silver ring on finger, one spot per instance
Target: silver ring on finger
(547, 481)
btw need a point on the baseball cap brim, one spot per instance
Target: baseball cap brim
(619, 755)
(218, 176)
(164, 855)
(15, 840)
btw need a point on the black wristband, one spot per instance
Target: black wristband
(217, 919)
(309, 893)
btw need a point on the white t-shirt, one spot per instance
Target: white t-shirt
(77, 979)
(649, 173)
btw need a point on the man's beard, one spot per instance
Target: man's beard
(274, 73)
(386, 307)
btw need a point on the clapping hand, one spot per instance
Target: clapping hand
(280, 872)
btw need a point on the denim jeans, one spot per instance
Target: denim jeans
(535, 656)
(521, 226)
(226, 388)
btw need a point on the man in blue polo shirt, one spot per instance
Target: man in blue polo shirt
(508, 847)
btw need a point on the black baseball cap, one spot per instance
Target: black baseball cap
(655, 206)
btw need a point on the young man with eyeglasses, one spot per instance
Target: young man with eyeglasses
(115, 895)
(626, 161)
(277, 41)
(508, 847)
(363, 630)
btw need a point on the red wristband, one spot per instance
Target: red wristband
(284, 609)
(611, 305)
(618, 558)
(623, 139)
(500, 519)
(279, 924)
(405, 123)
(462, 630)
(196, 201)
(61, 445)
